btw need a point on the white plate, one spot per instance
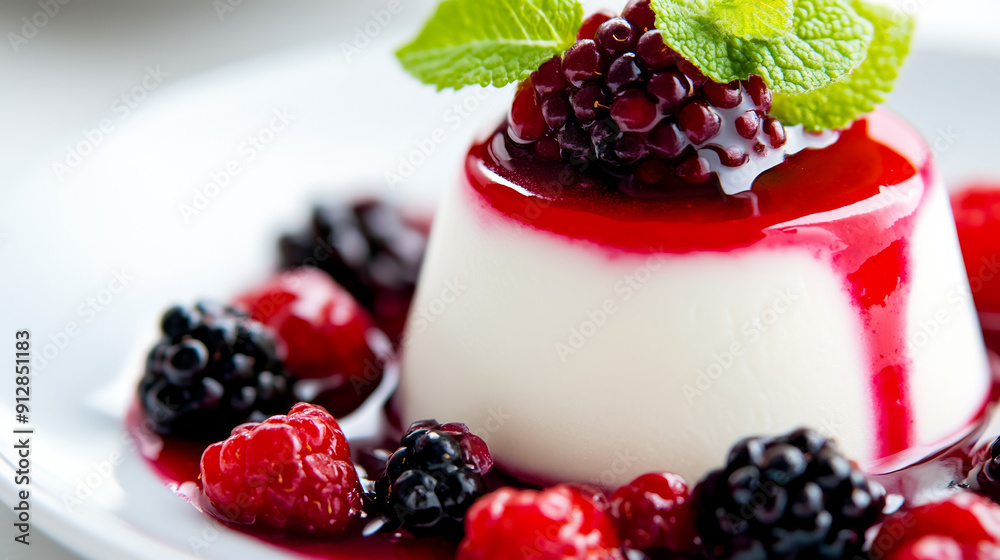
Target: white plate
(121, 208)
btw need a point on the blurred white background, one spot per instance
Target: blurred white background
(65, 78)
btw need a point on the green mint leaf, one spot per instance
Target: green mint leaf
(754, 19)
(490, 42)
(839, 104)
(828, 39)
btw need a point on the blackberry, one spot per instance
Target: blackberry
(787, 497)
(212, 370)
(430, 481)
(370, 249)
(621, 94)
(987, 473)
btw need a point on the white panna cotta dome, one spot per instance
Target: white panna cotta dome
(595, 338)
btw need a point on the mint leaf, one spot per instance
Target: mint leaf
(753, 19)
(840, 103)
(490, 42)
(828, 40)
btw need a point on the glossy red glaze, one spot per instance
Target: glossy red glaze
(176, 462)
(852, 204)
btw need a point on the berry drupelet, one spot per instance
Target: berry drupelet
(212, 370)
(788, 497)
(622, 98)
(433, 478)
(370, 249)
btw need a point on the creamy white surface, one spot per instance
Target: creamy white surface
(641, 392)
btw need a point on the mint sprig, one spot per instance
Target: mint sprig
(838, 104)
(828, 61)
(828, 39)
(754, 19)
(490, 42)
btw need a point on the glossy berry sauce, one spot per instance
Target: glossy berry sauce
(872, 190)
(176, 461)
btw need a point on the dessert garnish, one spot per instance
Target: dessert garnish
(794, 496)
(689, 89)
(291, 474)
(328, 338)
(977, 219)
(370, 248)
(433, 478)
(213, 369)
(558, 522)
(963, 526)
(655, 514)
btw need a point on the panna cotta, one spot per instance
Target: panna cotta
(593, 336)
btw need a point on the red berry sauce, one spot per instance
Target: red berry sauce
(630, 213)
(176, 461)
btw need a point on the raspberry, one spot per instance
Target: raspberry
(326, 333)
(977, 216)
(964, 527)
(620, 72)
(788, 497)
(370, 249)
(557, 523)
(291, 474)
(433, 478)
(212, 370)
(654, 511)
